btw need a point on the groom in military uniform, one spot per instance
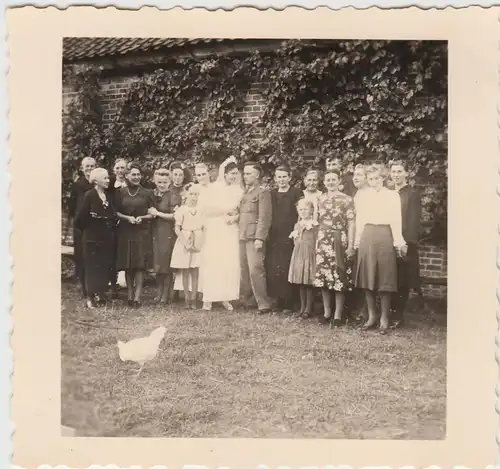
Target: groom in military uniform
(254, 224)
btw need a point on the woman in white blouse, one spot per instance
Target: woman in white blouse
(379, 240)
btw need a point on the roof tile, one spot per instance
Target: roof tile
(78, 48)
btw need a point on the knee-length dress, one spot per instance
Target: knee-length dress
(96, 219)
(134, 244)
(279, 245)
(333, 268)
(303, 262)
(191, 221)
(164, 230)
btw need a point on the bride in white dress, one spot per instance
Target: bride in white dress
(220, 261)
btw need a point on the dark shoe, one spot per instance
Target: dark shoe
(265, 311)
(130, 303)
(367, 326)
(397, 323)
(137, 304)
(337, 323)
(324, 319)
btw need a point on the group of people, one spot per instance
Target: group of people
(233, 239)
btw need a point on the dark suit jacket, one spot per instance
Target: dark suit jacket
(411, 209)
(348, 186)
(78, 190)
(255, 214)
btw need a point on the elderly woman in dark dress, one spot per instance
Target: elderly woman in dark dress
(78, 190)
(134, 254)
(96, 218)
(166, 202)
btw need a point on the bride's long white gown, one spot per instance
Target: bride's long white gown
(220, 262)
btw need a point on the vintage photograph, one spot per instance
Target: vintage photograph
(254, 238)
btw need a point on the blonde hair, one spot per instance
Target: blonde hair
(377, 168)
(94, 174)
(307, 202)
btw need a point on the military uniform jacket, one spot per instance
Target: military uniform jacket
(255, 214)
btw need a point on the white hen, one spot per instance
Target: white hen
(141, 350)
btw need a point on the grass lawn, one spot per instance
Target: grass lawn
(237, 374)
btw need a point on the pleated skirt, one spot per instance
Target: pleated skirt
(377, 263)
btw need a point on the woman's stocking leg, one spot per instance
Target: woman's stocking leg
(371, 306)
(139, 282)
(129, 279)
(339, 304)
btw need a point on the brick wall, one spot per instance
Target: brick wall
(433, 260)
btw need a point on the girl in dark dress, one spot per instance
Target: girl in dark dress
(96, 219)
(134, 254)
(165, 206)
(78, 190)
(279, 245)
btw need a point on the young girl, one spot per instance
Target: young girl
(303, 261)
(189, 228)
(311, 192)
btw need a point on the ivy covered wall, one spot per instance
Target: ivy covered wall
(296, 103)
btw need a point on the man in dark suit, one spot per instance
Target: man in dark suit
(409, 265)
(254, 224)
(78, 190)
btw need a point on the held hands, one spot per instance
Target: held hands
(134, 220)
(258, 244)
(401, 251)
(350, 251)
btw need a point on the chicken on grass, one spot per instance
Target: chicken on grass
(141, 350)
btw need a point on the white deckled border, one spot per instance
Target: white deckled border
(5, 211)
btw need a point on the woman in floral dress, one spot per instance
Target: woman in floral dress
(335, 247)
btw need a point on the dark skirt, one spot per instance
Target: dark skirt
(98, 257)
(78, 255)
(164, 238)
(377, 268)
(134, 250)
